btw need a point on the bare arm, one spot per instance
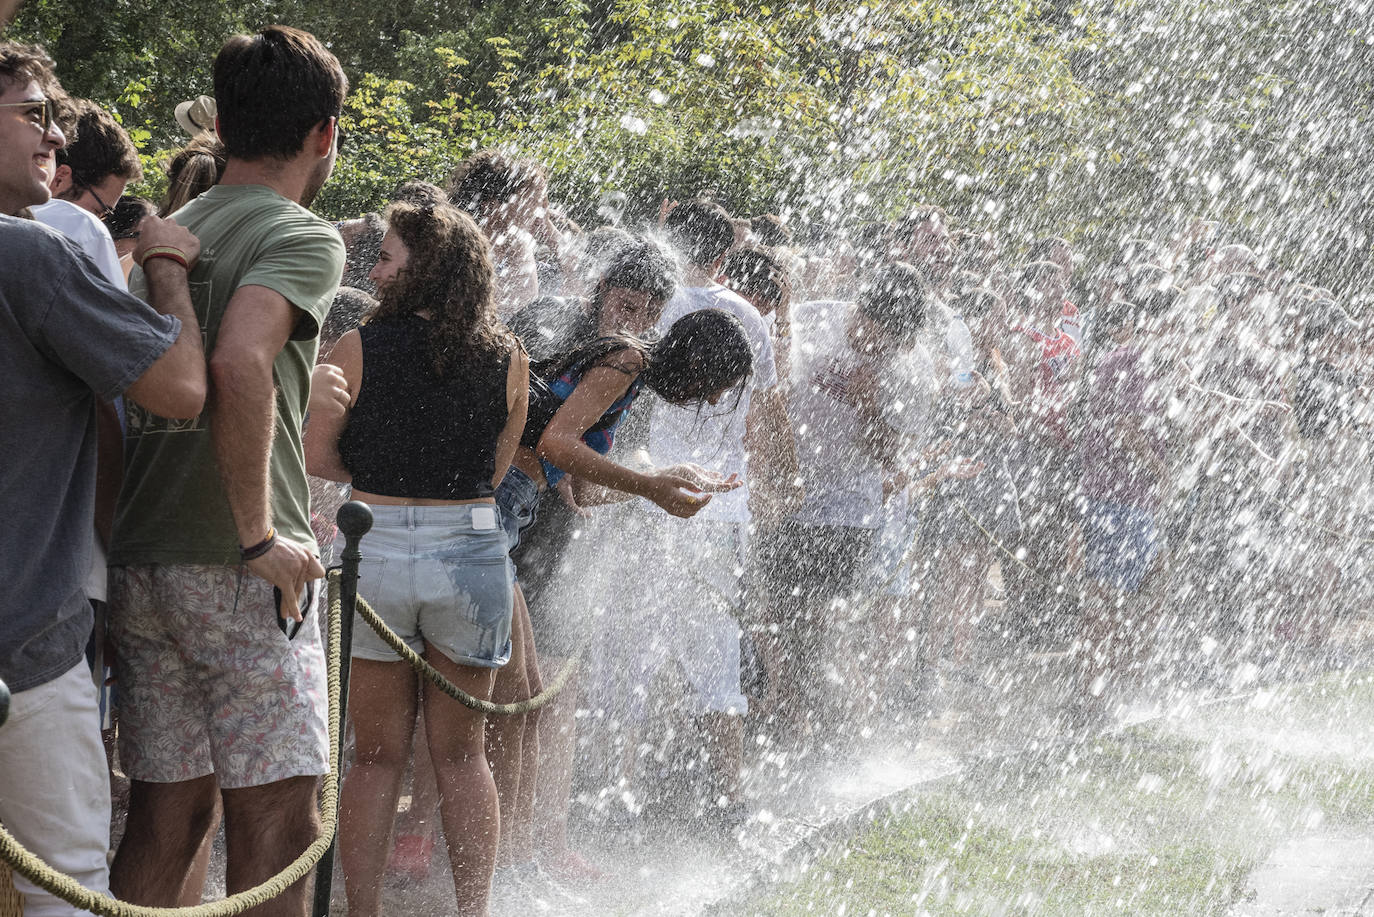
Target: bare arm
(174, 386)
(773, 455)
(562, 445)
(256, 325)
(323, 432)
(517, 410)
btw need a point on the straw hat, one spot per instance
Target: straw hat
(197, 117)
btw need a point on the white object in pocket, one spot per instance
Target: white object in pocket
(483, 518)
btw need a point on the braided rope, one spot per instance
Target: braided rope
(62, 886)
(434, 677)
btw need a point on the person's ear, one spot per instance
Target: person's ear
(322, 137)
(61, 181)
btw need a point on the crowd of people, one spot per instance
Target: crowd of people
(761, 480)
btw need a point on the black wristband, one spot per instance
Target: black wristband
(259, 549)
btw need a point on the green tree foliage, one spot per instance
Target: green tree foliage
(1091, 118)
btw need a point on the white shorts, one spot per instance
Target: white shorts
(683, 607)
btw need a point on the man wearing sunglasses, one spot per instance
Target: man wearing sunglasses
(68, 340)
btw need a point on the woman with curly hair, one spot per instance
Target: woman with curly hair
(438, 397)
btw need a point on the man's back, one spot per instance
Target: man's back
(173, 507)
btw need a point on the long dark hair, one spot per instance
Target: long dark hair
(448, 272)
(704, 353)
(642, 267)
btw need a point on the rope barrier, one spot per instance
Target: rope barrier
(62, 886)
(434, 677)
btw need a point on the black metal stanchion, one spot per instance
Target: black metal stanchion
(354, 519)
(4, 702)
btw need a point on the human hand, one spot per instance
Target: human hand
(155, 231)
(677, 495)
(704, 479)
(569, 497)
(288, 566)
(329, 395)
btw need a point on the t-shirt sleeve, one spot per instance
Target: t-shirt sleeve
(304, 265)
(761, 345)
(100, 333)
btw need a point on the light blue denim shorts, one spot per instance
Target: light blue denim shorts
(437, 574)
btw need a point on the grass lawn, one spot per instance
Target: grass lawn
(1167, 819)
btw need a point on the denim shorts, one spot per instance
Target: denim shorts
(437, 574)
(518, 501)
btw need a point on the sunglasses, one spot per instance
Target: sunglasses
(289, 627)
(45, 109)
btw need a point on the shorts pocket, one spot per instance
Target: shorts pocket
(371, 575)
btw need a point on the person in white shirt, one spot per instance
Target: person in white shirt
(91, 175)
(685, 607)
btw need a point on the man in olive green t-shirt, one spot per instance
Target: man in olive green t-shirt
(217, 699)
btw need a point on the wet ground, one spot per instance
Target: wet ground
(998, 745)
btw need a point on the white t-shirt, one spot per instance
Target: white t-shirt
(713, 437)
(90, 235)
(843, 483)
(85, 229)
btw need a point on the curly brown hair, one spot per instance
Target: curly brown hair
(449, 274)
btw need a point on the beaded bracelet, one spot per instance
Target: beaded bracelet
(165, 251)
(259, 549)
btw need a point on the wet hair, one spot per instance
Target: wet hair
(1037, 271)
(976, 304)
(1114, 316)
(769, 230)
(350, 308)
(361, 252)
(644, 268)
(918, 217)
(1236, 288)
(701, 230)
(1044, 249)
(449, 273)
(701, 355)
(21, 64)
(102, 148)
(122, 222)
(1327, 320)
(489, 179)
(600, 247)
(896, 297)
(704, 353)
(420, 193)
(753, 270)
(193, 171)
(1144, 281)
(272, 89)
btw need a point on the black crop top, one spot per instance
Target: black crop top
(415, 434)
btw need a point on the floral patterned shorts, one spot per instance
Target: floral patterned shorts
(208, 683)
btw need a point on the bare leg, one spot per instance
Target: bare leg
(266, 827)
(557, 748)
(505, 734)
(518, 832)
(381, 703)
(724, 734)
(422, 817)
(168, 823)
(194, 889)
(467, 793)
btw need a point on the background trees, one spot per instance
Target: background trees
(1088, 118)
